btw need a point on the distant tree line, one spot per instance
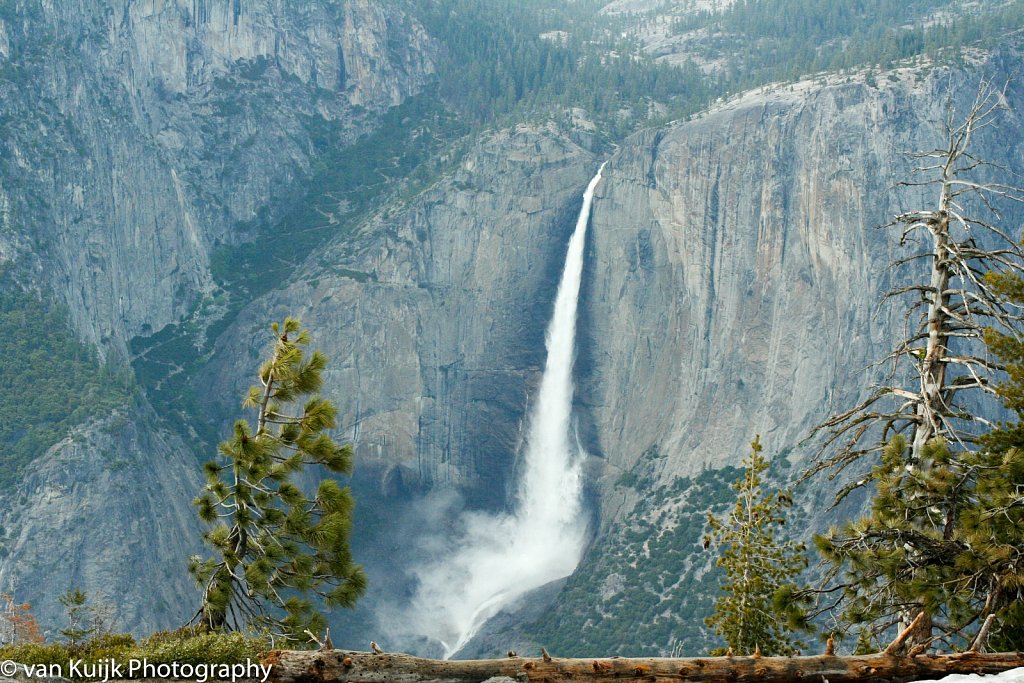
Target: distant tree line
(768, 40)
(519, 57)
(510, 60)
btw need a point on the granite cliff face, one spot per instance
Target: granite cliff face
(736, 265)
(138, 138)
(106, 511)
(143, 139)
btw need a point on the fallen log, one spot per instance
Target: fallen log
(289, 666)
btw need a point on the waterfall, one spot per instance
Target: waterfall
(502, 557)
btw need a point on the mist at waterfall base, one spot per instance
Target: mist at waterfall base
(492, 560)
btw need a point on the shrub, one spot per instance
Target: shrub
(194, 645)
(189, 645)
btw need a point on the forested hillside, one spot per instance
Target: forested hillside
(54, 381)
(765, 40)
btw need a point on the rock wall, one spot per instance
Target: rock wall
(106, 511)
(143, 139)
(736, 270)
(433, 316)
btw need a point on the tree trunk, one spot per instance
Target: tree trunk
(364, 667)
(919, 630)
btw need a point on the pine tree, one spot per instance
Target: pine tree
(994, 574)
(896, 561)
(965, 565)
(757, 564)
(276, 549)
(910, 548)
(77, 611)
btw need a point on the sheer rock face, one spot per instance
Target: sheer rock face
(434, 317)
(735, 268)
(364, 48)
(732, 277)
(137, 136)
(106, 511)
(144, 138)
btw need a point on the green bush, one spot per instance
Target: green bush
(193, 645)
(189, 645)
(33, 653)
(117, 647)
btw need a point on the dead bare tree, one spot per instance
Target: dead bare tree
(934, 370)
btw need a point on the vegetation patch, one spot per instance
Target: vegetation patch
(761, 41)
(53, 381)
(530, 57)
(190, 645)
(345, 181)
(647, 588)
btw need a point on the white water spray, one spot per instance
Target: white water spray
(500, 558)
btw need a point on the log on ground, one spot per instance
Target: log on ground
(365, 667)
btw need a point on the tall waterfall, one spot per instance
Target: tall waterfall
(500, 558)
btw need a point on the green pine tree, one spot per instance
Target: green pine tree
(275, 548)
(757, 564)
(910, 550)
(946, 532)
(76, 608)
(995, 524)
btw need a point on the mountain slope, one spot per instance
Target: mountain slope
(134, 148)
(142, 139)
